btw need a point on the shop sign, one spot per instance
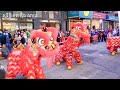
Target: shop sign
(3, 13)
(80, 14)
(85, 14)
(72, 14)
(112, 18)
(99, 15)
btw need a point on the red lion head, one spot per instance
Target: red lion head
(51, 47)
(80, 30)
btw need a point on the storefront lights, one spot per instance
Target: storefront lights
(101, 20)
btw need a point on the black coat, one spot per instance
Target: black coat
(3, 39)
(22, 40)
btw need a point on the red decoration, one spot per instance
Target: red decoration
(68, 49)
(113, 43)
(99, 15)
(27, 61)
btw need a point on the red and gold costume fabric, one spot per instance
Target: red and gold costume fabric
(26, 61)
(113, 43)
(68, 49)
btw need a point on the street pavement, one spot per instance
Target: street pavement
(97, 64)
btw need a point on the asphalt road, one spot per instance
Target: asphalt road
(97, 64)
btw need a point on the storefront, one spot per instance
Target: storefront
(50, 19)
(16, 23)
(80, 16)
(73, 17)
(113, 21)
(50, 23)
(98, 19)
(13, 24)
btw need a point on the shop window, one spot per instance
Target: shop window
(50, 25)
(45, 14)
(73, 21)
(39, 14)
(10, 26)
(96, 23)
(25, 25)
(58, 26)
(51, 14)
(56, 15)
(86, 22)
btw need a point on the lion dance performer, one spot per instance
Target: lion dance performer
(113, 43)
(79, 33)
(25, 62)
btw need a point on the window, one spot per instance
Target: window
(51, 14)
(10, 26)
(39, 14)
(25, 25)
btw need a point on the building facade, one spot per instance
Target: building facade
(98, 20)
(13, 20)
(80, 16)
(113, 21)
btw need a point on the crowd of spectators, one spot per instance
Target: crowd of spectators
(8, 42)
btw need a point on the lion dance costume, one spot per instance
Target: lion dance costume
(26, 61)
(68, 50)
(113, 43)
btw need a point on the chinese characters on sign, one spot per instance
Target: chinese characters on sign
(99, 15)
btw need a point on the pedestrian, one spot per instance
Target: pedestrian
(0, 36)
(114, 32)
(5, 52)
(25, 36)
(109, 34)
(15, 41)
(110, 30)
(8, 44)
(103, 36)
(117, 31)
(3, 38)
(10, 37)
(22, 39)
(59, 36)
(99, 36)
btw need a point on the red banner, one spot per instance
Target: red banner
(99, 15)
